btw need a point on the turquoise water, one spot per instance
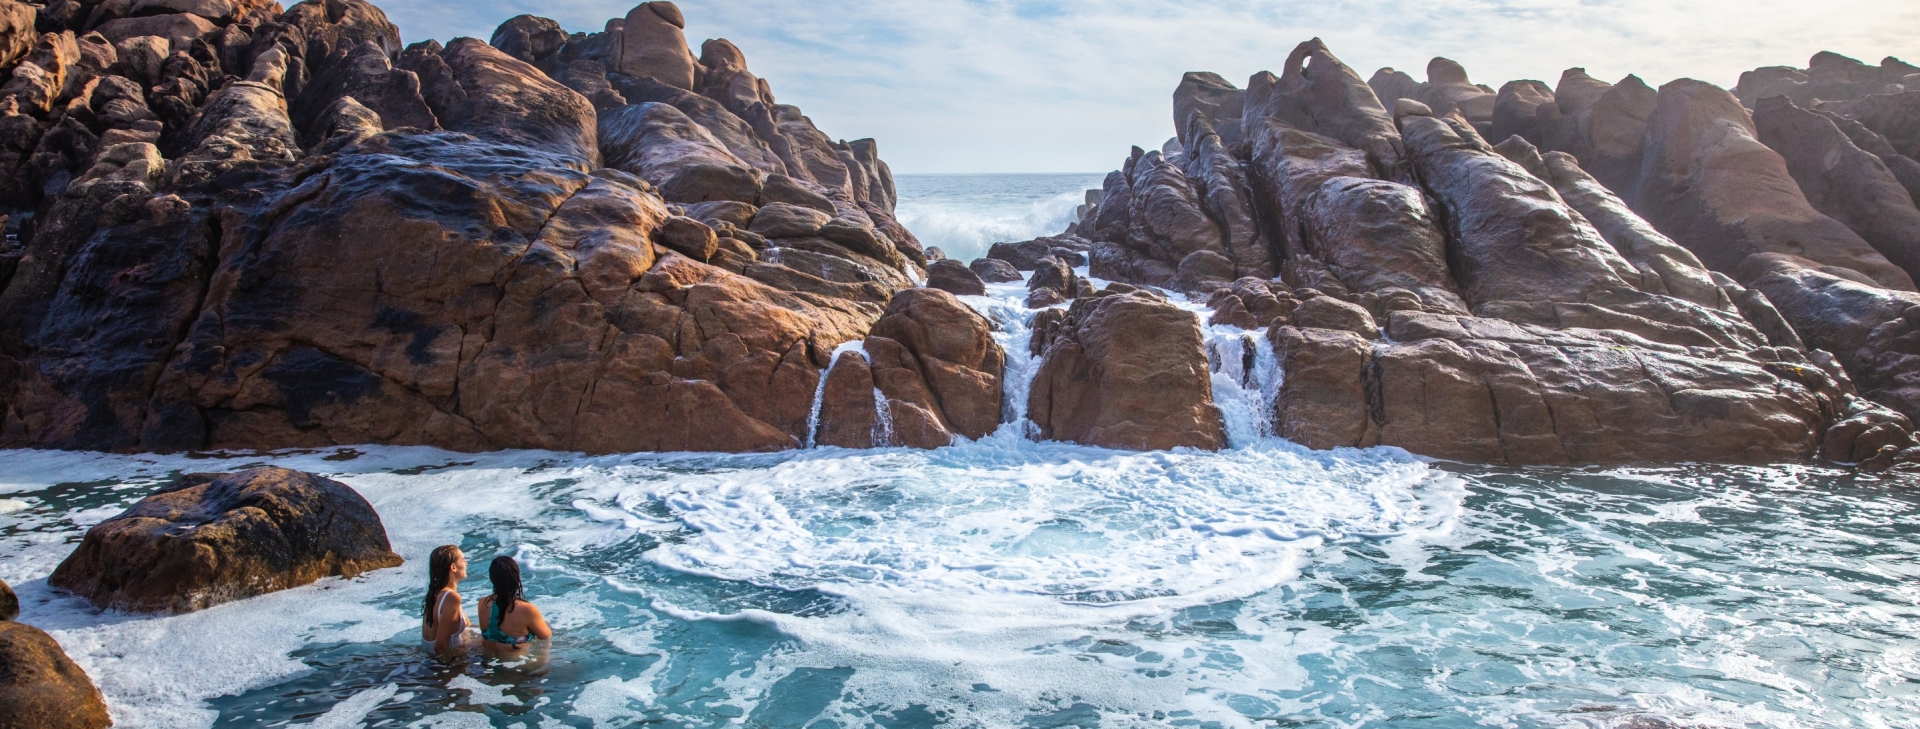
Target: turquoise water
(1008, 583)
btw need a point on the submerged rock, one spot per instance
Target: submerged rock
(41, 688)
(205, 539)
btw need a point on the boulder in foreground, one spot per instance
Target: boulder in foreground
(41, 688)
(207, 538)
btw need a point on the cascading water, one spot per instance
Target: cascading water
(857, 346)
(1246, 381)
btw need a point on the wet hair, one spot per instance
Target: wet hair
(505, 574)
(439, 576)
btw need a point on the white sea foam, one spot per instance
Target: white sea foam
(965, 232)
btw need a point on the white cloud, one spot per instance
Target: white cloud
(1068, 85)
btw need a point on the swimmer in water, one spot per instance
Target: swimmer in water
(509, 624)
(443, 617)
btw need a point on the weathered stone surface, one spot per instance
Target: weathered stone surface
(9, 603)
(41, 687)
(653, 45)
(205, 539)
(1126, 371)
(1317, 93)
(1864, 326)
(1664, 267)
(958, 361)
(1326, 312)
(1894, 116)
(956, 278)
(1843, 181)
(1524, 255)
(1373, 234)
(1711, 185)
(994, 270)
(497, 97)
(1445, 389)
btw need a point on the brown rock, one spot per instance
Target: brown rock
(994, 270)
(958, 360)
(1317, 93)
(653, 45)
(1843, 181)
(206, 539)
(1372, 233)
(689, 237)
(1894, 116)
(1326, 312)
(1485, 391)
(9, 603)
(181, 29)
(41, 687)
(506, 100)
(1524, 255)
(956, 278)
(783, 220)
(16, 31)
(1713, 187)
(1864, 326)
(1127, 371)
(659, 143)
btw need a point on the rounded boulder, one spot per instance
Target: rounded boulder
(206, 539)
(41, 688)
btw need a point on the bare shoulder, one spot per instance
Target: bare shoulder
(533, 607)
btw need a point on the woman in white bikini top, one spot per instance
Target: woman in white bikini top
(443, 621)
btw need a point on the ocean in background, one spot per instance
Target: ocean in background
(966, 214)
(1009, 583)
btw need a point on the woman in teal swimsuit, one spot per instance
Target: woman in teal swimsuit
(508, 622)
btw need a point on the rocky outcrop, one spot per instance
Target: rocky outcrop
(9, 603)
(1843, 181)
(1490, 391)
(1565, 296)
(1828, 76)
(1125, 371)
(41, 687)
(955, 277)
(1712, 185)
(1866, 327)
(302, 235)
(205, 539)
(930, 371)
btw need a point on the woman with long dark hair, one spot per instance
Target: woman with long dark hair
(509, 622)
(443, 616)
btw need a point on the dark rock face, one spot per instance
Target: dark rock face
(1842, 180)
(41, 687)
(1714, 187)
(1867, 328)
(9, 603)
(299, 234)
(1126, 371)
(206, 539)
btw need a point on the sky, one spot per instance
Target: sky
(973, 86)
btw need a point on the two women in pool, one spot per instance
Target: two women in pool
(508, 622)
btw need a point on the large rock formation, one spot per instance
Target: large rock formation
(265, 229)
(205, 539)
(1567, 295)
(41, 688)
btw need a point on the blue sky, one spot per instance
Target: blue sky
(1068, 85)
